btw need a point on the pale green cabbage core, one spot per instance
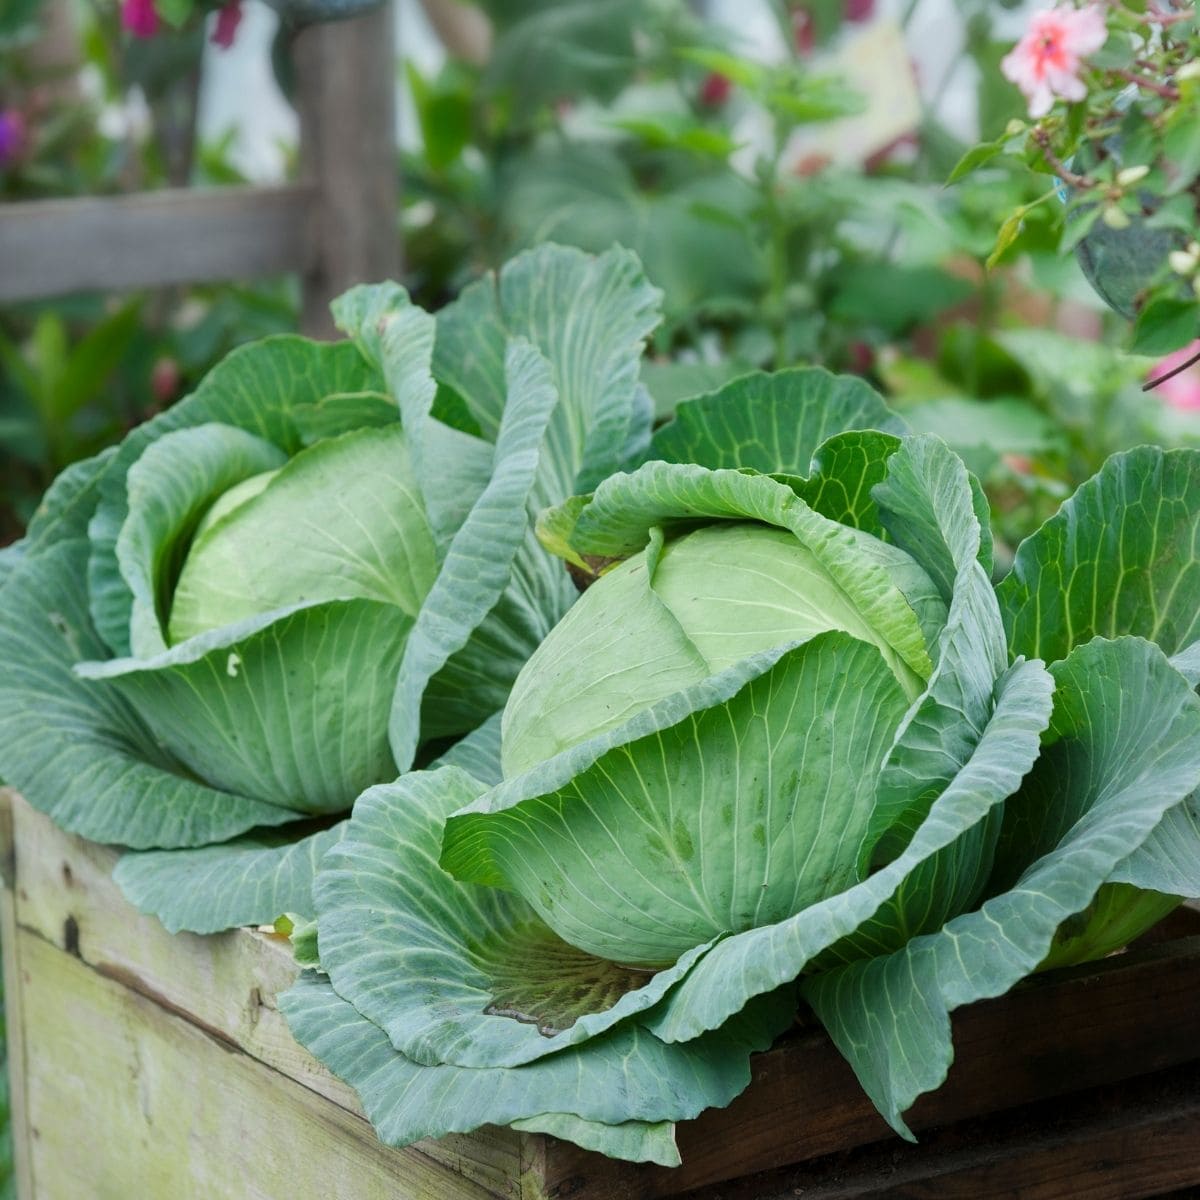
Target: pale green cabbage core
(674, 616)
(342, 520)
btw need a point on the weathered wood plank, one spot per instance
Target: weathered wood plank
(345, 95)
(225, 984)
(1042, 1040)
(153, 239)
(13, 1007)
(1142, 1008)
(1136, 1139)
(126, 1099)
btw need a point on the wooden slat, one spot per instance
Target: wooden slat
(152, 239)
(129, 1100)
(225, 985)
(1066, 1031)
(18, 1122)
(345, 95)
(1122, 1142)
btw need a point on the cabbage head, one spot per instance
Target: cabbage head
(791, 742)
(309, 575)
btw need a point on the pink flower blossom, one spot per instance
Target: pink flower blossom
(1183, 391)
(858, 10)
(229, 17)
(139, 18)
(1045, 63)
(715, 89)
(12, 135)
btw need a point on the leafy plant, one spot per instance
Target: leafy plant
(299, 579)
(1115, 126)
(790, 742)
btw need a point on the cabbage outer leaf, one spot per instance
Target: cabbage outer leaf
(253, 879)
(625, 1075)
(1125, 750)
(712, 813)
(1122, 556)
(633, 1141)
(78, 751)
(455, 973)
(772, 423)
(258, 389)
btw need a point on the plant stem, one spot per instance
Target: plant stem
(1060, 168)
(1151, 384)
(1165, 90)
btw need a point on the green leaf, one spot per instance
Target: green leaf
(342, 519)
(168, 490)
(478, 753)
(865, 914)
(451, 467)
(252, 880)
(1002, 425)
(1124, 750)
(1120, 557)
(772, 423)
(455, 973)
(1079, 224)
(724, 846)
(564, 49)
(249, 881)
(633, 1141)
(589, 317)
(1165, 324)
(1008, 234)
(262, 707)
(1181, 147)
(695, 235)
(66, 508)
(670, 383)
(928, 505)
(884, 585)
(625, 1075)
(975, 158)
(257, 389)
(475, 575)
(77, 751)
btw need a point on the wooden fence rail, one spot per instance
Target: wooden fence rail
(336, 227)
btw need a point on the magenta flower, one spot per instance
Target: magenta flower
(229, 17)
(139, 17)
(856, 11)
(12, 135)
(1045, 63)
(715, 89)
(1182, 391)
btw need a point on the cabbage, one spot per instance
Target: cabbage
(309, 574)
(790, 742)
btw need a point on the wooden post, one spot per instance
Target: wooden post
(345, 94)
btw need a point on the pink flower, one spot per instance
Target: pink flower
(229, 17)
(1183, 391)
(139, 17)
(1045, 62)
(12, 135)
(715, 89)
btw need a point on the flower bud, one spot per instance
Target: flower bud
(1015, 127)
(1131, 175)
(1182, 263)
(1116, 218)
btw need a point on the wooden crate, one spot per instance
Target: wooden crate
(158, 1067)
